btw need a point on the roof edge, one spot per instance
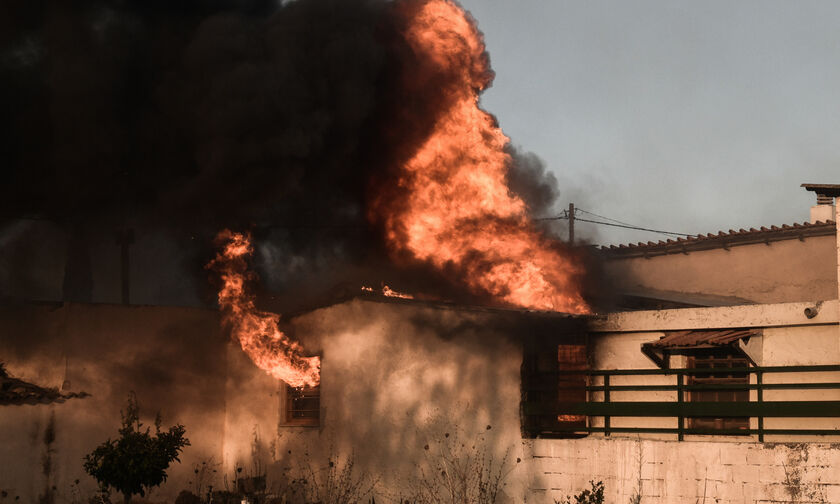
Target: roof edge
(742, 316)
(722, 240)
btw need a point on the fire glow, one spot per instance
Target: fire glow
(258, 332)
(388, 292)
(456, 211)
(459, 212)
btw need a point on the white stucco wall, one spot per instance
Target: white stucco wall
(689, 471)
(718, 469)
(776, 272)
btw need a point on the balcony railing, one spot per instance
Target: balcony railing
(682, 408)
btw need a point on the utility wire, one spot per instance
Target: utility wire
(616, 223)
(635, 227)
(603, 217)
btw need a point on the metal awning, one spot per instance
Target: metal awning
(701, 339)
(675, 342)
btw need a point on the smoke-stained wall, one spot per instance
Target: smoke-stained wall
(172, 358)
(402, 383)
(405, 384)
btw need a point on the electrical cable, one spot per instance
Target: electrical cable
(603, 217)
(636, 228)
(620, 224)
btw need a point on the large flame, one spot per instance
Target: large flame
(459, 212)
(258, 332)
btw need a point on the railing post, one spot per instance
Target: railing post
(606, 400)
(759, 380)
(681, 418)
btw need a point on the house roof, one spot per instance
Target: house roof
(377, 297)
(347, 291)
(700, 338)
(722, 239)
(14, 392)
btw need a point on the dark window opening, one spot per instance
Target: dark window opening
(571, 388)
(547, 387)
(303, 405)
(718, 361)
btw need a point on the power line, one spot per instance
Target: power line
(603, 217)
(616, 223)
(635, 227)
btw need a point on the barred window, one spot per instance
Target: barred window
(571, 387)
(303, 405)
(718, 361)
(547, 386)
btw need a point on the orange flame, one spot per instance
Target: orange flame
(388, 292)
(459, 210)
(258, 332)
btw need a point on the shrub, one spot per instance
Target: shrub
(137, 460)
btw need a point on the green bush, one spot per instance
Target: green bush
(137, 460)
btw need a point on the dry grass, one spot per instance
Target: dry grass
(459, 471)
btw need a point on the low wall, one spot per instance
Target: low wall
(687, 472)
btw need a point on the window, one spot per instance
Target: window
(303, 405)
(720, 360)
(547, 386)
(719, 351)
(571, 388)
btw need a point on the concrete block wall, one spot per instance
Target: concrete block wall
(720, 472)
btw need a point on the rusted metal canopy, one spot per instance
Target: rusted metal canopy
(700, 338)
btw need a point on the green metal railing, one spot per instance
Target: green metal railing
(682, 409)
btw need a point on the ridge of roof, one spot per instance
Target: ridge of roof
(721, 240)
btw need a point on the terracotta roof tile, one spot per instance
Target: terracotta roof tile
(722, 239)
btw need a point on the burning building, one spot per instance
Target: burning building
(626, 397)
(347, 138)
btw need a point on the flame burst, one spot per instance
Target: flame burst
(258, 332)
(459, 211)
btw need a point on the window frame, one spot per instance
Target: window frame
(288, 397)
(730, 357)
(542, 386)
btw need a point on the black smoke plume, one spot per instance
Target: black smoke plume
(189, 116)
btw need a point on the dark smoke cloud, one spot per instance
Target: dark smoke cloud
(202, 112)
(190, 116)
(531, 181)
